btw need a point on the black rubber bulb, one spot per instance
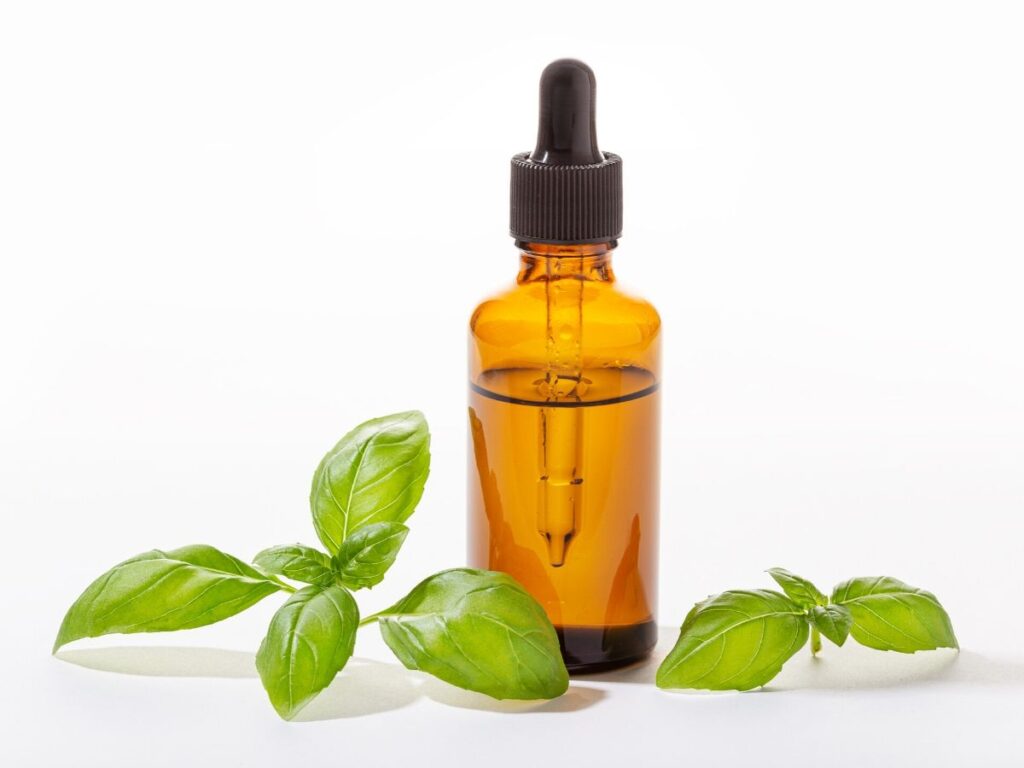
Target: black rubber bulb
(566, 133)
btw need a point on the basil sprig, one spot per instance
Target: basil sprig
(475, 629)
(740, 639)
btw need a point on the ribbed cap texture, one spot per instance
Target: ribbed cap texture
(566, 203)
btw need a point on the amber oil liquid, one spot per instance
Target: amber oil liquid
(563, 481)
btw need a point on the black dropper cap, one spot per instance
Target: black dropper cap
(566, 190)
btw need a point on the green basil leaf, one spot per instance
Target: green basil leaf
(298, 562)
(375, 474)
(309, 641)
(734, 641)
(833, 621)
(366, 555)
(799, 589)
(162, 591)
(892, 616)
(478, 630)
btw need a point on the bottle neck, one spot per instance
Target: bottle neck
(581, 261)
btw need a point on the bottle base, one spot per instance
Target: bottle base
(587, 650)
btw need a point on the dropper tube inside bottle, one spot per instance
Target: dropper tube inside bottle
(566, 136)
(561, 427)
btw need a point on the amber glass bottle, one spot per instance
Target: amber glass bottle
(564, 403)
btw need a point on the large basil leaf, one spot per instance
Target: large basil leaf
(478, 630)
(375, 474)
(736, 640)
(310, 639)
(799, 589)
(366, 555)
(833, 621)
(892, 616)
(298, 562)
(161, 591)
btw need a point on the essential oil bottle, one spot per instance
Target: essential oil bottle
(564, 401)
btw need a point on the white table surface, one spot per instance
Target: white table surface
(156, 701)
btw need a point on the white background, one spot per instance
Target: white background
(231, 231)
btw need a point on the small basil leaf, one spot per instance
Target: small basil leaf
(366, 555)
(161, 591)
(892, 616)
(833, 621)
(309, 641)
(375, 474)
(298, 562)
(478, 630)
(799, 589)
(734, 641)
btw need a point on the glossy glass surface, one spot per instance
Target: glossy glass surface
(563, 480)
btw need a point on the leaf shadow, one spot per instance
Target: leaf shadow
(576, 698)
(364, 687)
(164, 661)
(986, 671)
(855, 667)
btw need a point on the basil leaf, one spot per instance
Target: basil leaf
(375, 474)
(162, 591)
(892, 616)
(833, 621)
(310, 639)
(478, 630)
(799, 589)
(298, 562)
(736, 640)
(366, 555)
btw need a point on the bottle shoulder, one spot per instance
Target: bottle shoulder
(516, 330)
(602, 304)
